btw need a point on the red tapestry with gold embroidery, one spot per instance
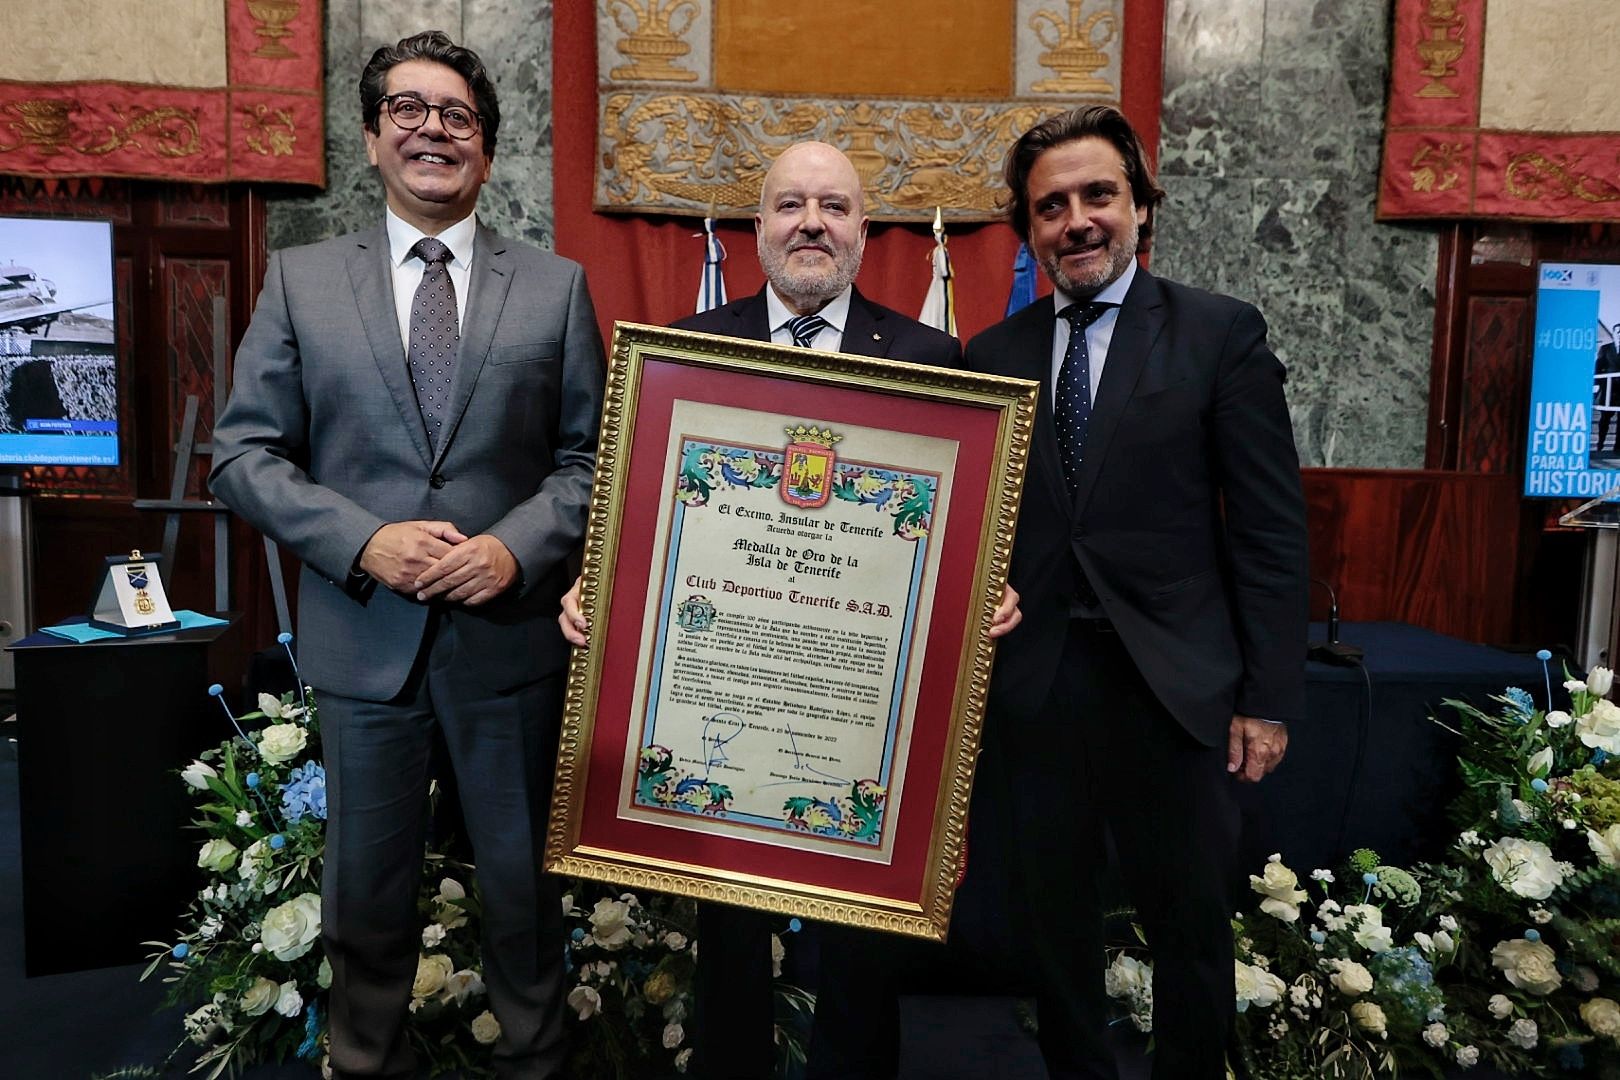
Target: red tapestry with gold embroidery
(1503, 109)
(194, 90)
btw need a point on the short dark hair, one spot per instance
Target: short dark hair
(1088, 121)
(434, 45)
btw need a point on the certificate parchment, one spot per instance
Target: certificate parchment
(788, 600)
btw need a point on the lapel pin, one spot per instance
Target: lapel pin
(877, 337)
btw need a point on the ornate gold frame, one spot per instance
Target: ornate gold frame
(927, 913)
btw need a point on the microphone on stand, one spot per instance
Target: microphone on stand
(1333, 651)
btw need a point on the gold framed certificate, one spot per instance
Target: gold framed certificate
(791, 565)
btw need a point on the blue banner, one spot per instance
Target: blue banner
(1573, 448)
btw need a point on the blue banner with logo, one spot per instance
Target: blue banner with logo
(1573, 449)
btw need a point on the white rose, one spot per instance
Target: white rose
(463, 984)
(1558, 718)
(1540, 763)
(1436, 1035)
(675, 940)
(1598, 681)
(431, 975)
(610, 923)
(1501, 1006)
(1603, 1017)
(1529, 965)
(218, 855)
(197, 774)
(259, 997)
(1605, 845)
(1468, 1056)
(1600, 728)
(1447, 922)
(674, 1034)
(585, 1001)
(253, 859)
(485, 1028)
(1370, 1018)
(1280, 887)
(289, 1002)
(282, 742)
(1256, 986)
(1524, 867)
(1522, 1034)
(1370, 933)
(1126, 976)
(1351, 979)
(323, 974)
(682, 1058)
(432, 935)
(289, 930)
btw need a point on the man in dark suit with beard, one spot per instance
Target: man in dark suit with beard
(811, 233)
(1161, 558)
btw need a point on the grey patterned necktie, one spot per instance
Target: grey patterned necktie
(1071, 409)
(435, 335)
(804, 329)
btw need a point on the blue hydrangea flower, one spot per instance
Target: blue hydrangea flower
(310, 1048)
(1520, 705)
(304, 793)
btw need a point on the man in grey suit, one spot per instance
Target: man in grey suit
(414, 414)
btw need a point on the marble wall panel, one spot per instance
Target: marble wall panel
(1283, 101)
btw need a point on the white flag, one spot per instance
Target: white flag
(712, 286)
(939, 308)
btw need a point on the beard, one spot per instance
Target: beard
(806, 287)
(1121, 249)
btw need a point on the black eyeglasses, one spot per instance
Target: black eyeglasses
(411, 112)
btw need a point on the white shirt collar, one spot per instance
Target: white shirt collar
(402, 236)
(836, 312)
(1112, 293)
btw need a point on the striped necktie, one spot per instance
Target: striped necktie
(804, 329)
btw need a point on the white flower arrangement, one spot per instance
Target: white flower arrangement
(1505, 954)
(249, 964)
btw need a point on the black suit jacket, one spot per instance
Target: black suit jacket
(870, 330)
(1188, 520)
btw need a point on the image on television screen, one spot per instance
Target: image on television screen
(58, 347)
(1573, 448)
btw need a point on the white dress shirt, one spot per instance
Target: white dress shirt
(407, 268)
(828, 339)
(1098, 335)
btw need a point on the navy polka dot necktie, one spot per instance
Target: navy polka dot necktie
(1072, 405)
(435, 335)
(804, 329)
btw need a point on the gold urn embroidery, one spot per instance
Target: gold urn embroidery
(653, 44)
(1441, 49)
(1073, 50)
(42, 122)
(269, 134)
(47, 123)
(272, 17)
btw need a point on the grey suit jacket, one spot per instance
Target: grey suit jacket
(322, 443)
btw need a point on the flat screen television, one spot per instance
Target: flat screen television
(58, 346)
(1573, 448)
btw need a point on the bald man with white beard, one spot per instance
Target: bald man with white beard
(811, 233)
